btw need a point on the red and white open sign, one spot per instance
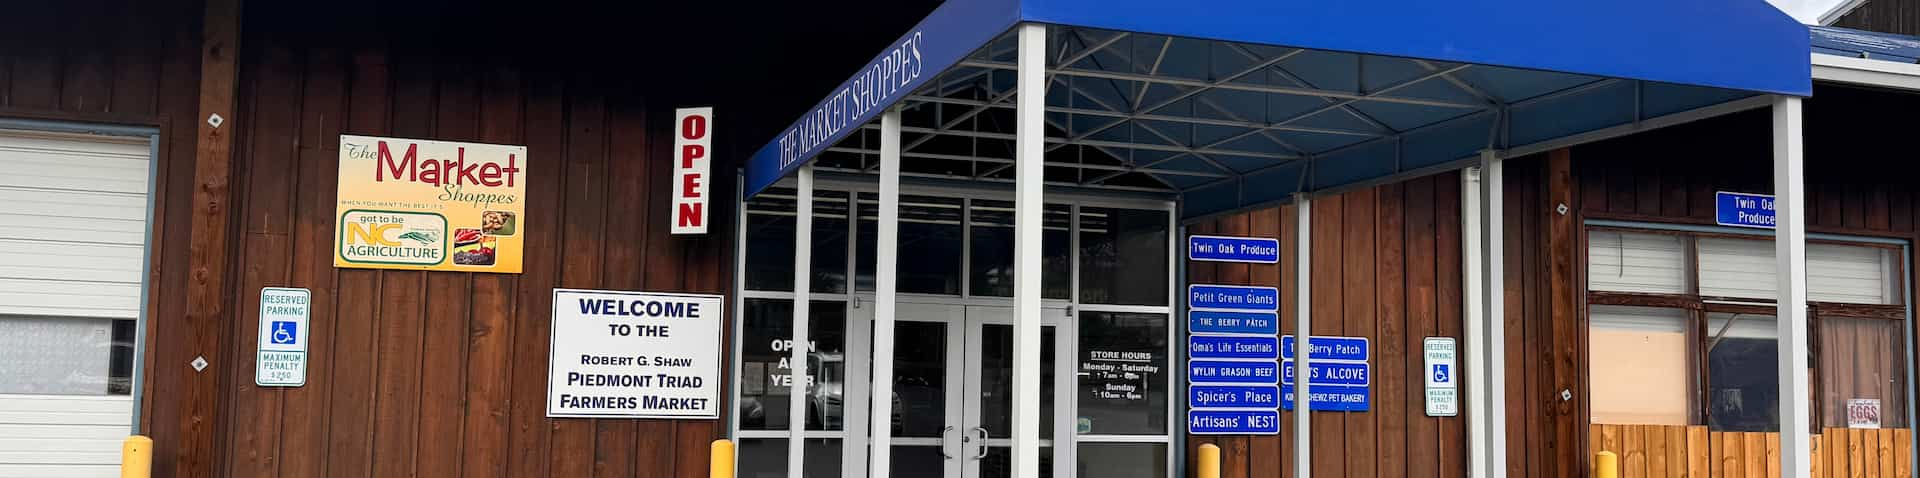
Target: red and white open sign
(692, 168)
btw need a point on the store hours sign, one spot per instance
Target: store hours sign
(634, 355)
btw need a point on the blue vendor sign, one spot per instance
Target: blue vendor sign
(1233, 422)
(1233, 297)
(1261, 250)
(1329, 373)
(1329, 348)
(1233, 396)
(1219, 371)
(1225, 322)
(1743, 210)
(1232, 347)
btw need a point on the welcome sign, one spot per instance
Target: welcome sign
(430, 205)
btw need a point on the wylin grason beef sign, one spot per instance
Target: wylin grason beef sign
(430, 205)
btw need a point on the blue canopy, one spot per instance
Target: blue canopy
(1238, 103)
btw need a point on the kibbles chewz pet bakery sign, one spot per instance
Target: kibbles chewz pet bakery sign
(430, 205)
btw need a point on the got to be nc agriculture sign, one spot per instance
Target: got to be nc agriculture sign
(430, 205)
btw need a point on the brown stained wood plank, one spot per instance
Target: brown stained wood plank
(196, 453)
(617, 441)
(1390, 315)
(490, 345)
(1676, 451)
(529, 444)
(321, 117)
(1900, 217)
(1826, 207)
(172, 226)
(1656, 450)
(449, 295)
(1423, 432)
(1869, 452)
(1878, 212)
(1622, 185)
(1856, 456)
(633, 160)
(134, 87)
(1563, 416)
(582, 236)
(1903, 452)
(1773, 455)
(1522, 361)
(396, 401)
(1648, 193)
(1356, 284)
(1327, 247)
(1674, 197)
(1853, 204)
(1819, 465)
(1884, 447)
(350, 426)
(1835, 442)
(266, 142)
(86, 84)
(1448, 295)
(1700, 452)
(1592, 187)
(253, 442)
(1633, 451)
(1718, 447)
(1611, 439)
(1753, 453)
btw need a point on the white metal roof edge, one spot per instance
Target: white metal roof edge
(1861, 71)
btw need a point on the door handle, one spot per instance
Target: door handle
(943, 446)
(982, 431)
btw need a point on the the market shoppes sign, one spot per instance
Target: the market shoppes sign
(430, 205)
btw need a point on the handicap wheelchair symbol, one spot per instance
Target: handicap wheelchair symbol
(284, 332)
(1440, 373)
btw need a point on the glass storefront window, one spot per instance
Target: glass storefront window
(767, 457)
(1122, 460)
(769, 246)
(1120, 249)
(1858, 368)
(765, 359)
(930, 244)
(1743, 381)
(1123, 374)
(992, 254)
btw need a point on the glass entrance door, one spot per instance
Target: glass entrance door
(990, 374)
(953, 390)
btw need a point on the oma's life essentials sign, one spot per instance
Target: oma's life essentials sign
(430, 205)
(281, 360)
(692, 169)
(634, 355)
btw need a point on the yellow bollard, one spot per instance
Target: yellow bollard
(136, 457)
(1606, 465)
(1209, 462)
(722, 466)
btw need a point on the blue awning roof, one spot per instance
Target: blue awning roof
(1238, 103)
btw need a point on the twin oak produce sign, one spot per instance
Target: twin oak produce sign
(412, 204)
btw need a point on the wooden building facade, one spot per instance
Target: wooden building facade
(441, 374)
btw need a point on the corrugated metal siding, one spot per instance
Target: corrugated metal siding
(73, 226)
(1630, 262)
(1835, 273)
(51, 436)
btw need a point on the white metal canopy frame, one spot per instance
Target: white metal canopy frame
(1236, 104)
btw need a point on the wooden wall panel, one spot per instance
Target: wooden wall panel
(1383, 260)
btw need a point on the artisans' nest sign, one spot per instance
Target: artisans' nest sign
(430, 205)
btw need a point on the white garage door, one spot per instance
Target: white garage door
(73, 222)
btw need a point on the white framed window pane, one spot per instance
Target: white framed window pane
(1641, 354)
(66, 356)
(1634, 262)
(1835, 272)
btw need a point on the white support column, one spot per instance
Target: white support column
(1790, 250)
(1473, 295)
(1493, 222)
(1029, 174)
(802, 298)
(887, 245)
(1302, 335)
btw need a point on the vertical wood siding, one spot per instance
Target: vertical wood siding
(1386, 266)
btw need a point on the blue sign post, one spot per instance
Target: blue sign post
(1340, 372)
(1743, 210)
